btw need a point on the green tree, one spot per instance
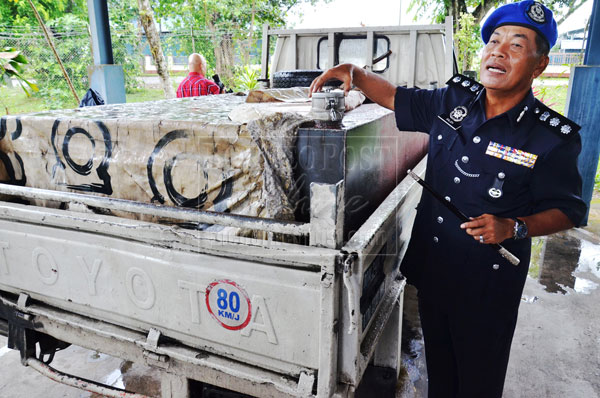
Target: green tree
(439, 9)
(467, 41)
(18, 12)
(153, 36)
(231, 25)
(126, 38)
(73, 46)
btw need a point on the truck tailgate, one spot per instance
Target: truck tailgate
(247, 310)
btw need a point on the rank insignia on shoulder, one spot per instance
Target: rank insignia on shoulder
(555, 121)
(469, 85)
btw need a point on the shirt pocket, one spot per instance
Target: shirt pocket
(503, 187)
(443, 138)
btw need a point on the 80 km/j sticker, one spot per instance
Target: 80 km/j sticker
(229, 304)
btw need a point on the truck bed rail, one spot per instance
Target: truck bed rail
(189, 215)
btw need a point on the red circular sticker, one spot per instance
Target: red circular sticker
(229, 304)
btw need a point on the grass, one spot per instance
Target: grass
(552, 92)
(18, 103)
(148, 94)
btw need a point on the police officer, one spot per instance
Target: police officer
(506, 160)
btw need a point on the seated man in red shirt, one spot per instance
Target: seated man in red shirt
(195, 83)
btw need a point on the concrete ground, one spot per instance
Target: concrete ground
(555, 351)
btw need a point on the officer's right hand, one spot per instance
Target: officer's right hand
(343, 72)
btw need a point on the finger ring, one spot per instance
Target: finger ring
(480, 238)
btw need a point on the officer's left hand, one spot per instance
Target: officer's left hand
(489, 229)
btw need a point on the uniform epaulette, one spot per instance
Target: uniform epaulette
(471, 86)
(554, 121)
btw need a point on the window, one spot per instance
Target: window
(352, 49)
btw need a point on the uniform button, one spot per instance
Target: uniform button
(447, 198)
(440, 137)
(440, 220)
(495, 266)
(501, 175)
(456, 180)
(465, 159)
(476, 139)
(435, 239)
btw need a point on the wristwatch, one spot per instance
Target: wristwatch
(520, 229)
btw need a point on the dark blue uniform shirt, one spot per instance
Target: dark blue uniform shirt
(516, 164)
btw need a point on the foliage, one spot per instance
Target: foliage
(11, 66)
(597, 179)
(467, 41)
(552, 92)
(19, 12)
(229, 28)
(54, 89)
(439, 9)
(68, 26)
(126, 52)
(544, 94)
(246, 78)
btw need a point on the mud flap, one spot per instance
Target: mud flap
(23, 337)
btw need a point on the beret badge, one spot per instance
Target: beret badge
(536, 13)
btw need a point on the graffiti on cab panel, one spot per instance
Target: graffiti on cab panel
(176, 197)
(9, 164)
(103, 185)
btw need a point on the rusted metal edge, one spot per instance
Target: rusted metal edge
(196, 216)
(365, 235)
(80, 383)
(173, 237)
(380, 319)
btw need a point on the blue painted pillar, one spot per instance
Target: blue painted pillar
(583, 105)
(592, 50)
(106, 78)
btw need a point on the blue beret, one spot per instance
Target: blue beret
(530, 14)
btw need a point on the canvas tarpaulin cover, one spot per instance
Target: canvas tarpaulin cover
(180, 152)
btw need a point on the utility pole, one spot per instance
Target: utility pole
(399, 12)
(105, 77)
(583, 103)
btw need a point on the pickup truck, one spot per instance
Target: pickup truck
(101, 247)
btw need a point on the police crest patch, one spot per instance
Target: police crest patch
(536, 13)
(458, 113)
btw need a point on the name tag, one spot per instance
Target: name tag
(511, 154)
(451, 123)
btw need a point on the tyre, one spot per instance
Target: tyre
(298, 78)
